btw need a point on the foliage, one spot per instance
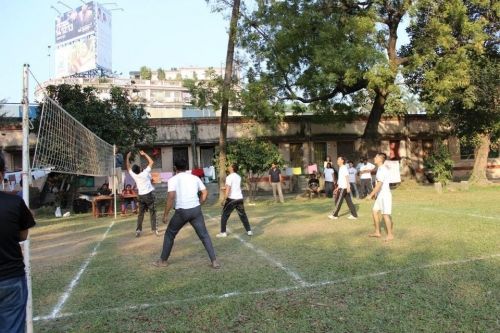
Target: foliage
(208, 92)
(161, 74)
(145, 73)
(440, 164)
(322, 56)
(454, 63)
(253, 157)
(116, 120)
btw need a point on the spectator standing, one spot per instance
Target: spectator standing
(365, 176)
(329, 179)
(352, 180)
(275, 180)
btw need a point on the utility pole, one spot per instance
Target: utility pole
(26, 195)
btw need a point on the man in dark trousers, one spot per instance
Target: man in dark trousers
(344, 190)
(275, 180)
(183, 189)
(234, 200)
(146, 198)
(15, 220)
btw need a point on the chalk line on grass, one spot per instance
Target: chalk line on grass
(460, 213)
(269, 290)
(57, 309)
(294, 275)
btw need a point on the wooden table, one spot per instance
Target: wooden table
(99, 198)
(130, 196)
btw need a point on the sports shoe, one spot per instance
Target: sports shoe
(249, 233)
(331, 217)
(155, 232)
(137, 233)
(350, 217)
(221, 235)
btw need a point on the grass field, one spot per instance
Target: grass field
(300, 272)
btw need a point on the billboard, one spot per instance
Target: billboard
(83, 40)
(75, 23)
(76, 57)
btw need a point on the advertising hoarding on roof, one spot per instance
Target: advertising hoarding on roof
(75, 23)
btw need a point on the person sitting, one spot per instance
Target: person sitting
(103, 205)
(313, 186)
(127, 199)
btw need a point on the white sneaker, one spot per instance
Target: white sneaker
(249, 233)
(350, 217)
(137, 233)
(221, 235)
(331, 217)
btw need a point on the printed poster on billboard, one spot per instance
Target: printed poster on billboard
(75, 23)
(76, 57)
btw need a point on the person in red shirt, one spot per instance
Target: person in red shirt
(127, 200)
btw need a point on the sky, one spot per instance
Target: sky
(154, 33)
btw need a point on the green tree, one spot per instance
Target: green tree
(161, 74)
(145, 73)
(454, 66)
(115, 120)
(322, 55)
(254, 158)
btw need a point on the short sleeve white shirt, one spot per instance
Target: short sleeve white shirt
(365, 167)
(352, 174)
(329, 174)
(383, 177)
(143, 181)
(186, 188)
(343, 175)
(234, 180)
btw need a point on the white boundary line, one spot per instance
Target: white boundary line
(57, 309)
(271, 290)
(294, 275)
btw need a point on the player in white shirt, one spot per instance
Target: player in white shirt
(146, 197)
(365, 177)
(234, 200)
(183, 188)
(344, 189)
(383, 203)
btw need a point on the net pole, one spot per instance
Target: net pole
(26, 197)
(114, 177)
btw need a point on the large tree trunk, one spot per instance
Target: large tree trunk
(225, 102)
(481, 152)
(371, 136)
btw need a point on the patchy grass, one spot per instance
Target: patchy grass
(422, 281)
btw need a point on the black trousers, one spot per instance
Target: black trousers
(341, 196)
(229, 206)
(366, 187)
(182, 216)
(146, 202)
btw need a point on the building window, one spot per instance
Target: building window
(394, 150)
(466, 151)
(345, 149)
(207, 155)
(296, 155)
(319, 153)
